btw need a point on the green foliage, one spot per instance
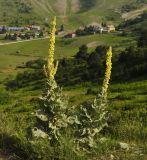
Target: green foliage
(22, 79)
(82, 53)
(35, 64)
(24, 8)
(136, 25)
(129, 7)
(85, 67)
(126, 124)
(90, 91)
(82, 13)
(128, 108)
(131, 62)
(87, 4)
(96, 59)
(5, 97)
(88, 30)
(93, 118)
(53, 116)
(142, 42)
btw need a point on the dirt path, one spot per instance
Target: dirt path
(134, 14)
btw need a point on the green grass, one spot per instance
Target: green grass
(127, 106)
(64, 48)
(127, 101)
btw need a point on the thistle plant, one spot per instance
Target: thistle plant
(93, 116)
(52, 117)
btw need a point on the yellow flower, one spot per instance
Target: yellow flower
(51, 68)
(107, 73)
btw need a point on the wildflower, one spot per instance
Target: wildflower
(51, 68)
(93, 116)
(107, 73)
(52, 116)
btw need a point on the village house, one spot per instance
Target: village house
(12, 28)
(21, 36)
(89, 29)
(70, 35)
(15, 28)
(109, 28)
(33, 27)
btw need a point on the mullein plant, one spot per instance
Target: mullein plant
(52, 116)
(55, 116)
(93, 116)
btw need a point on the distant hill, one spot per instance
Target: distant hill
(137, 25)
(69, 12)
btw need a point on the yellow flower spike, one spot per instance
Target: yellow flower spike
(107, 73)
(51, 68)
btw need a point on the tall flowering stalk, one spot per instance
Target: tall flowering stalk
(51, 68)
(107, 73)
(93, 116)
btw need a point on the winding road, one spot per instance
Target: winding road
(7, 43)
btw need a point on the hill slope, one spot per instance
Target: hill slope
(71, 12)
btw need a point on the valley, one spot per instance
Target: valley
(92, 77)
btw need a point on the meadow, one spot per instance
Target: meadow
(127, 100)
(21, 52)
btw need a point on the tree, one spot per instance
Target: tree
(6, 36)
(62, 28)
(27, 35)
(97, 58)
(14, 37)
(82, 53)
(80, 32)
(41, 34)
(142, 42)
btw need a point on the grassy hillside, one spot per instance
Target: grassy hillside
(127, 102)
(70, 12)
(22, 79)
(135, 13)
(20, 52)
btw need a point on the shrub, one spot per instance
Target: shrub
(5, 97)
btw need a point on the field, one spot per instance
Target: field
(96, 124)
(127, 100)
(127, 107)
(21, 52)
